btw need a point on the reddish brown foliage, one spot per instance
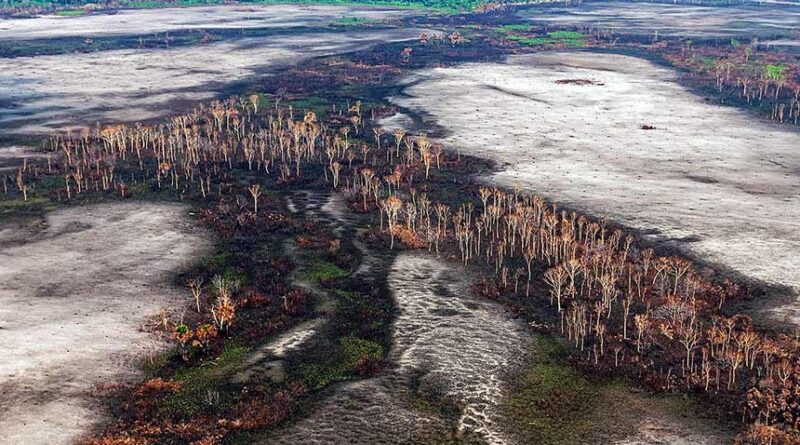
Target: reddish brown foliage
(409, 238)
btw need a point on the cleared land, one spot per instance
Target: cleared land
(74, 297)
(708, 178)
(47, 93)
(672, 20)
(148, 21)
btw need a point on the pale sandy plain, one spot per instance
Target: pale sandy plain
(75, 294)
(149, 21)
(686, 21)
(47, 93)
(710, 179)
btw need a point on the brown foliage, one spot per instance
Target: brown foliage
(409, 238)
(766, 435)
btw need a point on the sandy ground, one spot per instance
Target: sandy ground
(672, 20)
(668, 431)
(45, 93)
(149, 21)
(710, 178)
(73, 299)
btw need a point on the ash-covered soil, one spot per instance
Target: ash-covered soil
(75, 295)
(671, 20)
(708, 178)
(48, 93)
(150, 21)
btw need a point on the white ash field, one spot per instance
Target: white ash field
(150, 21)
(75, 297)
(56, 92)
(671, 20)
(46, 93)
(713, 176)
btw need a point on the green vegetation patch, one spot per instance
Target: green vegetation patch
(525, 40)
(348, 360)
(33, 206)
(776, 72)
(361, 314)
(552, 402)
(324, 271)
(153, 4)
(508, 28)
(203, 386)
(566, 35)
(356, 21)
(71, 13)
(569, 39)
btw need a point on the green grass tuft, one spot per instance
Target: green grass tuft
(509, 28)
(324, 271)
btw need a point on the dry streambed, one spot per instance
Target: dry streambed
(710, 179)
(445, 343)
(73, 299)
(452, 360)
(448, 348)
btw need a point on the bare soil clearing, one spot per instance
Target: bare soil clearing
(47, 93)
(687, 21)
(149, 21)
(709, 178)
(73, 300)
